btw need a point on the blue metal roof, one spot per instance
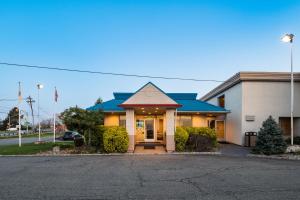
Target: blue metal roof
(108, 106)
(198, 106)
(182, 96)
(174, 96)
(188, 103)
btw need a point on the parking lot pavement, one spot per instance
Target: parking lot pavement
(148, 177)
(24, 140)
(233, 149)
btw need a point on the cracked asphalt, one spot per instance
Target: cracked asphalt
(148, 177)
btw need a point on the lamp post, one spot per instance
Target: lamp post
(39, 86)
(289, 38)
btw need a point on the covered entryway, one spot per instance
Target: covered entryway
(150, 117)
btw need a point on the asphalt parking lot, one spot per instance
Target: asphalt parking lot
(148, 177)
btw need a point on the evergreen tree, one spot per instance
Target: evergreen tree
(99, 101)
(12, 119)
(79, 119)
(270, 140)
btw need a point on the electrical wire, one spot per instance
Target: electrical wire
(107, 73)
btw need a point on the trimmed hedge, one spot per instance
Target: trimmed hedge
(115, 139)
(201, 139)
(181, 137)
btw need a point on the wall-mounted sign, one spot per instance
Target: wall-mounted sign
(250, 118)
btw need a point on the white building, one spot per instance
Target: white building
(253, 96)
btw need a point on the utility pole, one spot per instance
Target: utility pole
(30, 101)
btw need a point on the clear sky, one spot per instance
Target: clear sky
(211, 39)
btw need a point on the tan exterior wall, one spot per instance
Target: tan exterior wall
(262, 99)
(233, 103)
(111, 120)
(258, 99)
(199, 121)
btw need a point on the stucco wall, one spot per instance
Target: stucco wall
(262, 99)
(199, 121)
(233, 103)
(111, 120)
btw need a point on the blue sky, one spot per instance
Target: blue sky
(192, 39)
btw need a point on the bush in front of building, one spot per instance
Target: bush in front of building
(201, 139)
(78, 142)
(94, 137)
(296, 140)
(270, 139)
(115, 139)
(181, 137)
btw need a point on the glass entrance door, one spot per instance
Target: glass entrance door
(149, 130)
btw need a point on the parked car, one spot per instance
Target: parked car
(12, 129)
(71, 135)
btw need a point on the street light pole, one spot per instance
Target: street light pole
(292, 97)
(39, 86)
(289, 38)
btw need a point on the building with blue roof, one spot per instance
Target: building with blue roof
(151, 115)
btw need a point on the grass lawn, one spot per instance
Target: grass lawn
(30, 135)
(31, 148)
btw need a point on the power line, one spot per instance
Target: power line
(108, 73)
(9, 99)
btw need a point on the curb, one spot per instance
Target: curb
(278, 157)
(115, 154)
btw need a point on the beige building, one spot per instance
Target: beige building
(253, 96)
(151, 115)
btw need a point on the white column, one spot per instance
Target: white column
(170, 130)
(130, 128)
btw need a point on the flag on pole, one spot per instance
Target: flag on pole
(19, 109)
(19, 93)
(54, 115)
(55, 95)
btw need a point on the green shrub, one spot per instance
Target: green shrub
(63, 145)
(181, 136)
(94, 137)
(296, 140)
(270, 140)
(115, 139)
(201, 138)
(78, 142)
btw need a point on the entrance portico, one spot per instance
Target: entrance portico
(158, 127)
(150, 117)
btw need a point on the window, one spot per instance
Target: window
(184, 120)
(211, 123)
(122, 120)
(221, 101)
(140, 124)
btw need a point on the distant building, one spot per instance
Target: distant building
(253, 96)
